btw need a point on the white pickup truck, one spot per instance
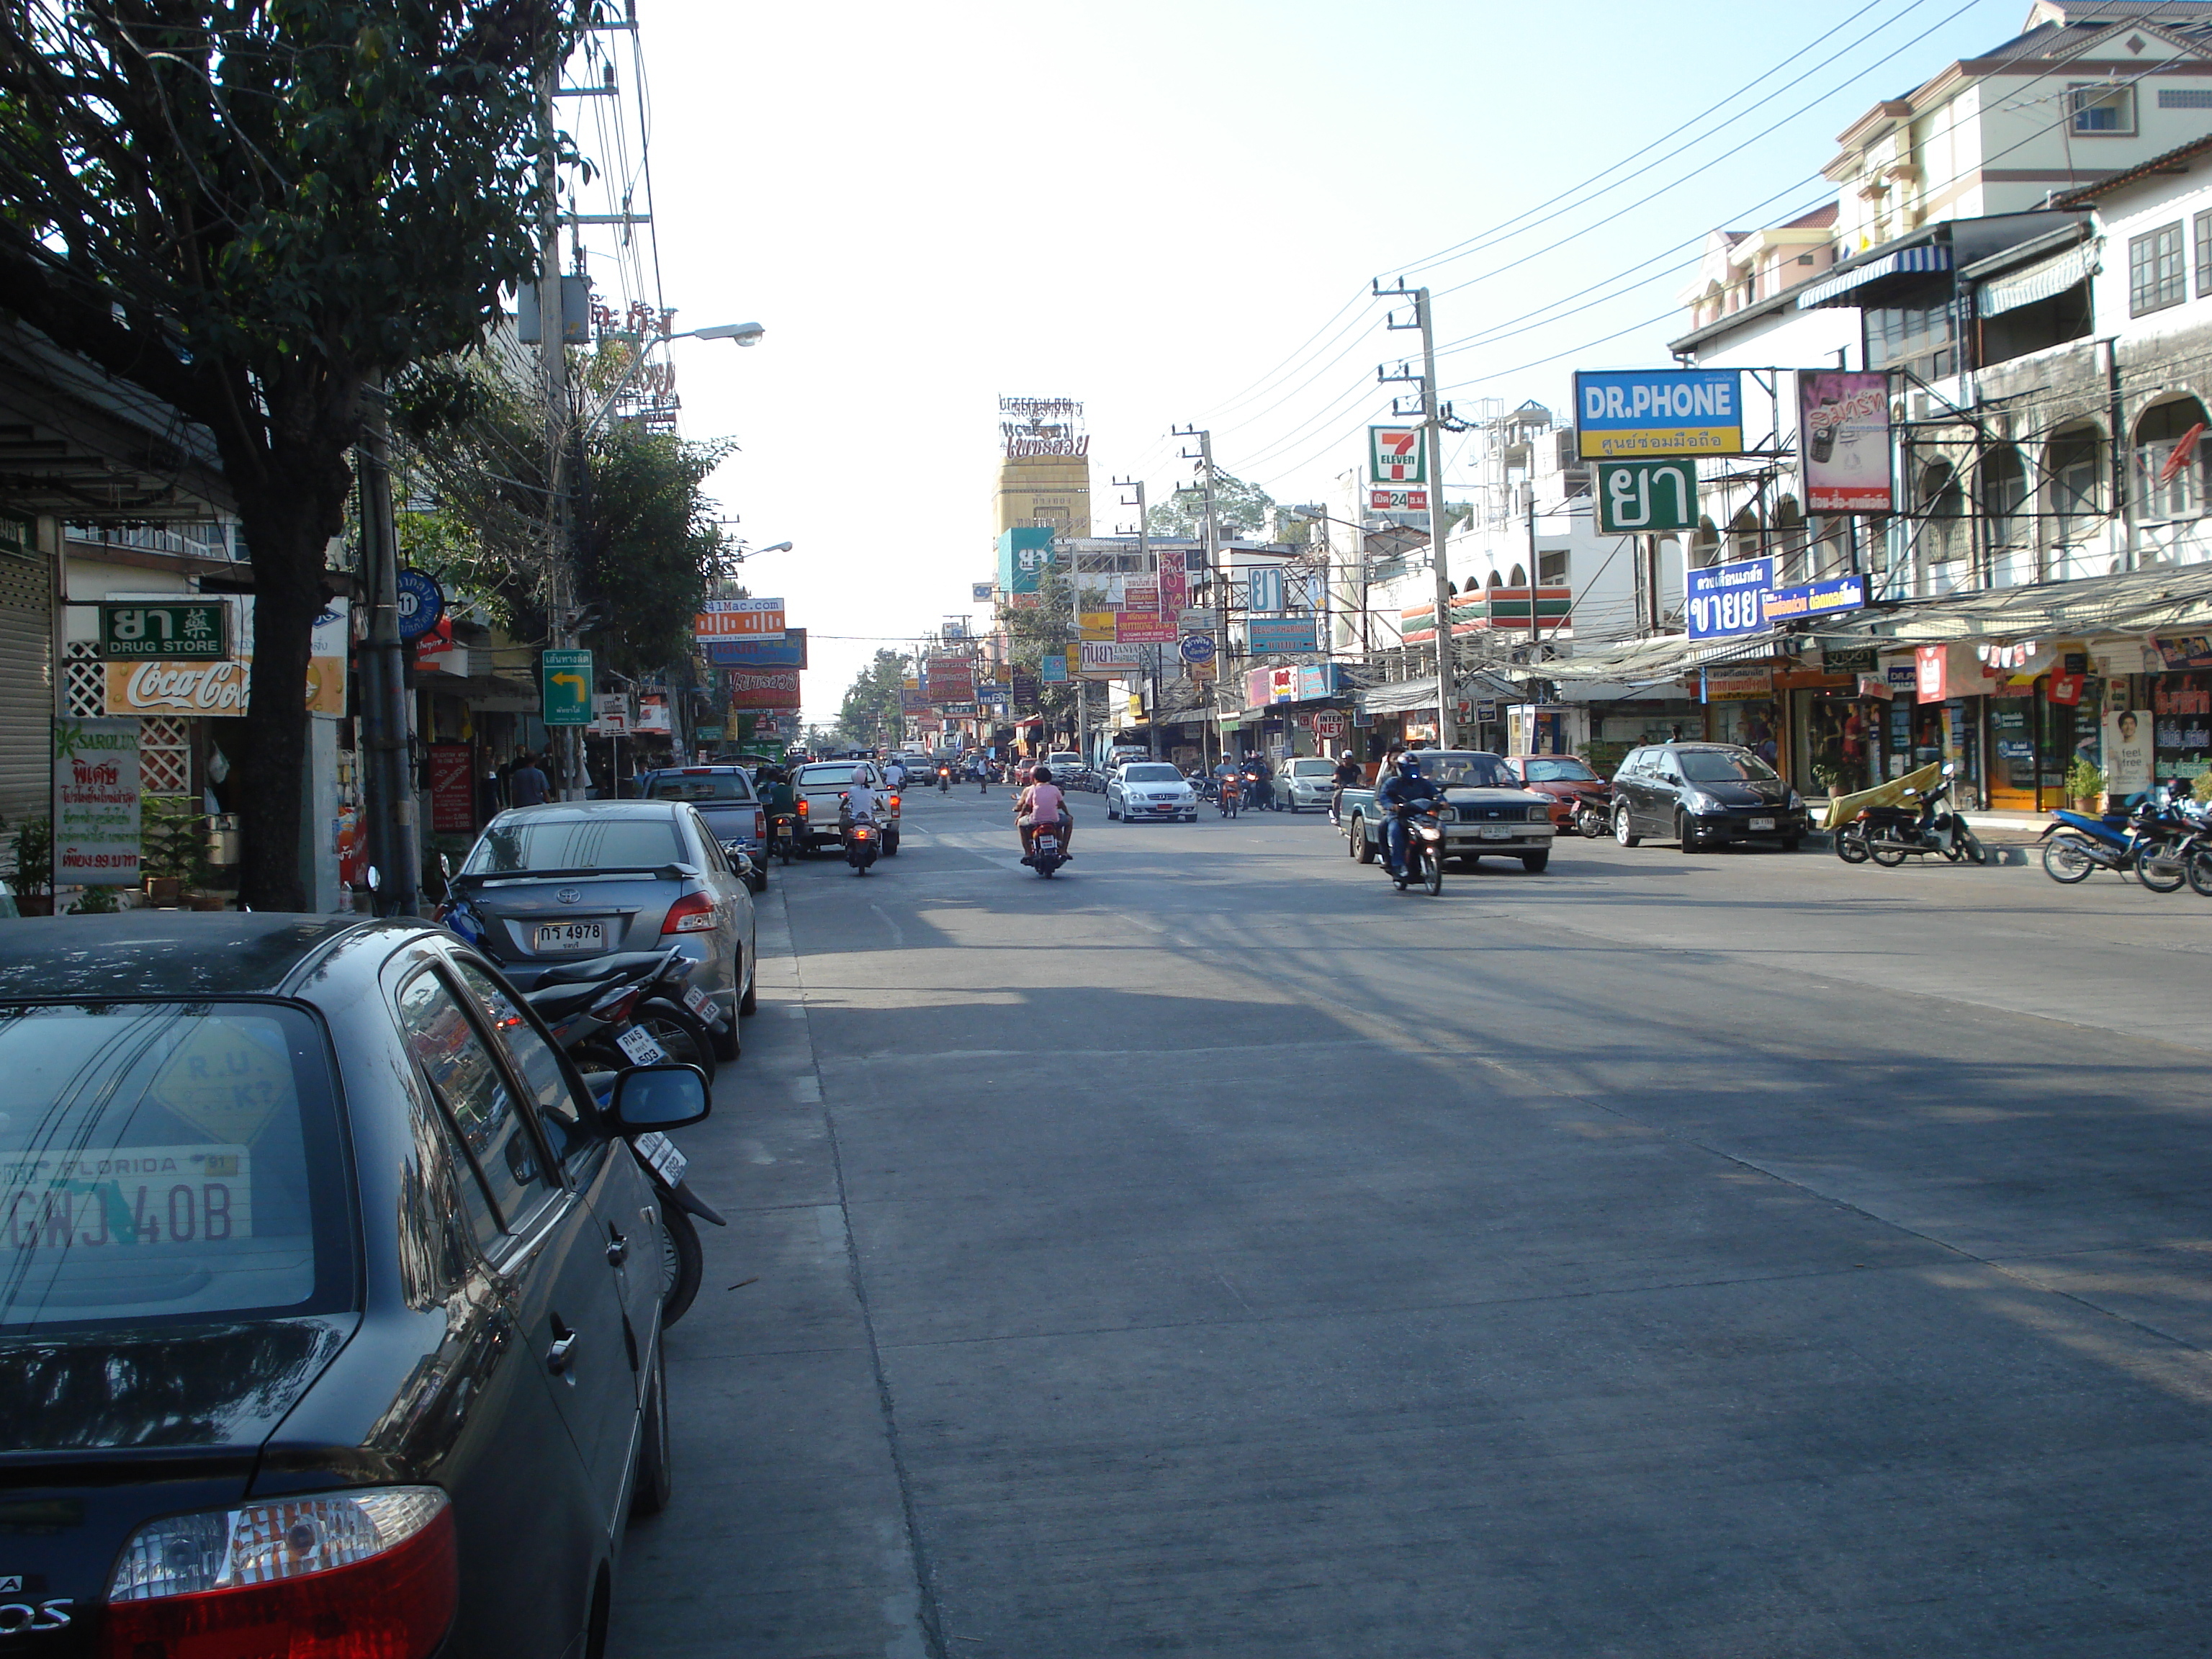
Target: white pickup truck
(816, 787)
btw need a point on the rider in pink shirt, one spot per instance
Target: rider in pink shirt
(1042, 802)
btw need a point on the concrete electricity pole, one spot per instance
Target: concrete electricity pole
(553, 358)
(1215, 575)
(1151, 651)
(1436, 417)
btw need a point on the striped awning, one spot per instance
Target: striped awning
(1905, 261)
(2043, 280)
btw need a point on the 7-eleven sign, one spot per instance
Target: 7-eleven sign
(1394, 455)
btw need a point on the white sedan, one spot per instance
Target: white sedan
(1151, 789)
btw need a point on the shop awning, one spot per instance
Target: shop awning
(2043, 280)
(1657, 660)
(1396, 697)
(2177, 600)
(1903, 262)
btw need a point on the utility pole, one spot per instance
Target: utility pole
(394, 846)
(553, 357)
(1436, 417)
(1216, 578)
(1151, 651)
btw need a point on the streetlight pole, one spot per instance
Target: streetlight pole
(1434, 416)
(1216, 576)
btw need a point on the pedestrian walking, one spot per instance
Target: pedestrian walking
(527, 786)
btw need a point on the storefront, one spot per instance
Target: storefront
(2181, 712)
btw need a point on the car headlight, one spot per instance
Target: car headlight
(1540, 815)
(1701, 802)
(1795, 802)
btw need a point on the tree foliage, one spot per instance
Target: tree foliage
(253, 210)
(871, 715)
(1236, 502)
(1036, 632)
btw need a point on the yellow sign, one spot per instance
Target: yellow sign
(1098, 626)
(225, 1080)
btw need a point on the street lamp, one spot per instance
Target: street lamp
(745, 334)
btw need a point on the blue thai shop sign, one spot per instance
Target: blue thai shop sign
(1730, 599)
(1631, 413)
(1024, 554)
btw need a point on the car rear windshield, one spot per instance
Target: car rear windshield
(575, 840)
(839, 773)
(1559, 771)
(699, 786)
(1064, 760)
(1466, 771)
(1312, 768)
(1150, 774)
(1720, 766)
(169, 1161)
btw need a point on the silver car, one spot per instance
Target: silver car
(1305, 781)
(557, 883)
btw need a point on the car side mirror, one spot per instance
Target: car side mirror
(741, 862)
(657, 1097)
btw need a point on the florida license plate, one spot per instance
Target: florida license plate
(658, 1150)
(1497, 832)
(1762, 823)
(572, 936)
(641, 1048)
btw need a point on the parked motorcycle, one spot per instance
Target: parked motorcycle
(683, 1262)
(1891, 835)
(632, 1008)
(863, 845)
(1425, 849)
(1593, 819)
(2148, 841)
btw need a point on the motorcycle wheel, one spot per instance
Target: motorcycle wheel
(2064, 861)
(2198, 865)
(1888, 857)
(679, 1031)
(1433, 873)
(2171, 868)
(1969, 850)
(1850, 844)
(681, 1262)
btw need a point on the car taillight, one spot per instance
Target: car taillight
(366, 1575)
(760, 825)
(802, 806)
(894, 803)
(692, 914)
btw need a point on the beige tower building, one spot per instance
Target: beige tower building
(1044, 469)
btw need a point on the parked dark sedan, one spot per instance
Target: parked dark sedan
(332, 1309)
(1703, 794)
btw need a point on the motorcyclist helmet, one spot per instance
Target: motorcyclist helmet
(1408, 767)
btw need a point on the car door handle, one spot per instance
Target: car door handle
(563, 1354)
(618, 1249)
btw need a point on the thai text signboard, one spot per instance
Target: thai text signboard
(1621, 414)
(96, 803)
(1636, 498)
(1844, 449)
(1728, 598)
(198, 632)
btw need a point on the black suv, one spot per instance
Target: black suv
(1703, 794)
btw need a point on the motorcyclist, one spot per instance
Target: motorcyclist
(895, 776)
(1350, 775)
(1041, 798)
(1399, 792)
(777, 799)
(1263, 783)
(858, 802)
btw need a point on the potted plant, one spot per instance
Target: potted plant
(34, 843)
(173, 852)
(2085, 784)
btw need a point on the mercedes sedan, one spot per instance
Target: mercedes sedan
(1151, 789)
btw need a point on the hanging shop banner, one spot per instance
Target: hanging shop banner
(1724, 600)
(453, 789)
(1316, 680)
(1105, 661)
(652, 713)
(1293, 634)
(952, 679)
(789, 652)
(1196, 647)
(778, 688)
(198, 631)
(1175, 580)
(1820, 598)
(1636, 497)
(220, 690)
(1140, 596)
(1843, 421)
(1024, 686)
(912, 701)
(95, 824)
(2179, 653)
(739, 619)
(1738, 683)
(1395, 455)
(1142, 627)
(1625, 413)
(1095, 625)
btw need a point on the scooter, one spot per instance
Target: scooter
(783, 836)
(2076, 845)
(1890, 835)
(863, 844)
(1045, 853)
(1229, 795)
(1424, 849)
(944, 780)
(631, 1009)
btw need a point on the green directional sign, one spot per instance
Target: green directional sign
(1636, 498)
(195, 631)
(564, 680)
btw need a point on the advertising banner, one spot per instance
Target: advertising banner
(2179, 653)
(452, 790)
(1175, 580)
(1725, 598)
(1263, 590)
(1820, 598)
(653, 713)
(95, 824)
(1395, 455)
(1739, 682)
(220, 689)
(912, 701)
(1258, 687)
(1025, 687)
(1843, 425)
(1140, 596)
(1110, 661)
(1196, 647)
(1144, 628)
(1098, 625)
(1053, 669)
(1024, 554)
(739, 619)
(194, 631)
(952, 679)
(1636, 497)
(1621, 414)
(1293, 634)
(789, 652)
(1316, 680)
(778, 688)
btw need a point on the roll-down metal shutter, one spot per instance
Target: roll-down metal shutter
(27, 689)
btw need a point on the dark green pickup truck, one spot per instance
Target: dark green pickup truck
(1492, 815)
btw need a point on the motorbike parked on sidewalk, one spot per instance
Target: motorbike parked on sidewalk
(632, 1008)
(1891, 835)
(1424, 847)
(2149, 842)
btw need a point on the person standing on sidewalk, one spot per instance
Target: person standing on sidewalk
(526, 786)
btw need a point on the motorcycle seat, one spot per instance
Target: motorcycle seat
(555, 1003)
(620, 964)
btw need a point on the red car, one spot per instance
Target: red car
(1569, 783)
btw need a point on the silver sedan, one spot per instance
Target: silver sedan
(1151, 789)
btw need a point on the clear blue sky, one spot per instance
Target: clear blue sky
(1152, 207)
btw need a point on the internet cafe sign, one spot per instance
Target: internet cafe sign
(219, 691)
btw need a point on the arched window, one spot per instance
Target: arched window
(1943, 513)
(1743, 535)
(1519, 578)
(2075, 462)
(2004, 493)
(1496, 580)
(2170, 460)
(1705, 544)
(1790, 538)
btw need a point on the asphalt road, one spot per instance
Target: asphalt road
(1214, 1251)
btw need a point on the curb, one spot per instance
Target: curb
(1824, 841)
